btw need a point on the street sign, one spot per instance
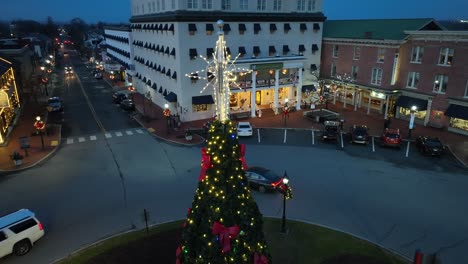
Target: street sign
(24, 142)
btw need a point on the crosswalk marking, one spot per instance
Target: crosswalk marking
(139, 131)
(119, 134)
(108, 135)
(92, 137)
(129, 132)
(81, 139)
(69, 140)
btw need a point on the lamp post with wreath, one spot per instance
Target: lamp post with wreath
(39, 125)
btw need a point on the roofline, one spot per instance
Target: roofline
(383, 42)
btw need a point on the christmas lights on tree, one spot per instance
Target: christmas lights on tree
(224, 224)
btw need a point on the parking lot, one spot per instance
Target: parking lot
(405, 156)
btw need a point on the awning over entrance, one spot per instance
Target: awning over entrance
(308, 88)
(203, 99)
(171, 97)
(408, 102)
(457, 111)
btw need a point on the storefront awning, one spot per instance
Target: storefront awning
(457, 111)
(203, 99)
(308, 88)
(408, 102)
(171, 97)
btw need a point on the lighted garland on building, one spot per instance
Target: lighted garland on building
(224, 224)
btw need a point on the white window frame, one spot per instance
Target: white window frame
(381, 55)
(277, 5)
(157, 4)
(446, 56)
(413, 80)
(244, 4)
(261, 5)
(173, 4)
(226, 4)
(311, 5)
(333, 70)
(376, 76)
(443, 80)
(300, 5)
(192, 4)
(163, 5)
(207, 4)
(354, 72)
(417, 54)
(335, 51)
(356, 52)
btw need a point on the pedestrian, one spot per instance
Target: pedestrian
(259, 112)
(387, 123)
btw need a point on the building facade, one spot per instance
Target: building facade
(390, 65)
(278, 41)
(9, 99)
(118, 54)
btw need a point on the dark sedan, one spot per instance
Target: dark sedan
(127, 104)
(359, 134)
(430, 146)
(264, 179)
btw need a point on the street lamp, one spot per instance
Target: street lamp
(39, 125)
(413, 110)
(286, 112)
(167, 114)
(285, 183)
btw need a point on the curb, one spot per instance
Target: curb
(43, 158)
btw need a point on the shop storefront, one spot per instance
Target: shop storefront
(405, 105)
(9, 100)
(458, 115)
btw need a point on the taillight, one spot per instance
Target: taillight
(275, 184)
(40, 226)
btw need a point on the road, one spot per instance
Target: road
(98, 186)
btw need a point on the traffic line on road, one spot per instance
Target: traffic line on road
(285, 135)
(69, 140)
(108, 135)
(119, 134)
(139, 131)
(373, 145)
(313, 137)
(407, 149)
(81, 139)
(258, 135)
(92, 138)
(129, 132)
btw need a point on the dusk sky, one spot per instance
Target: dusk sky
(92, 11)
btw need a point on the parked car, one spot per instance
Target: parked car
(18, 232)
(430, 145)
(98, 75)
(117, 97)
(264, 179)
(244, 129)
(391, 138)
(127, 104)
(54, 104)
(331, 131)
(359, 134)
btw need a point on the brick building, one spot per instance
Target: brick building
(391, 65)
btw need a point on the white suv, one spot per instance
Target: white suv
(18, 232)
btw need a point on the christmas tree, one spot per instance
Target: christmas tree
(224, 224)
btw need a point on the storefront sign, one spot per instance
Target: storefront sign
(378, 95)
(4, 100)
(267, 66)
(112, 67)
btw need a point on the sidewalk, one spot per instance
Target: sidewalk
(24, 127)
(152, 118)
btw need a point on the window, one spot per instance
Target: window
(381, 55)
(354, 72)
(417, 54)
(257, 28)
(335, 51)
(173, 4)
(300, 5)
(413, 80)
(261, 5)
(287, 27)
(149, 7)
(209, 29)
(2, 236)
(446, 56)
(201, 108)
(466, 90)
(163, 5)
(333, 70)
(311, 5)
(376, 78)
(242, 29)
(153, 4)
(285, 49)
(440, 83)
(226, 5)
(303, 27)
(193, 54)
(243, 4)
(207, 4)
(356, 53)
(209, 53)
(276, 5)
(256, 50)
(20, 227)
(271, 50)
(142, 8)
(192, 4)
(192, 28)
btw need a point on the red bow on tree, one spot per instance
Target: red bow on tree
(225, 234)
(260, 259)
(205, 164)
(242, 158)
(178, 251)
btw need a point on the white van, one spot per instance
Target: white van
(18, 232)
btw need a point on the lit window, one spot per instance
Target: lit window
(413, 80)
(376, 78)
(335, 51)
(440, 83)
(356, 53)
(417, 54)
(446, 56)
(381, 55)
